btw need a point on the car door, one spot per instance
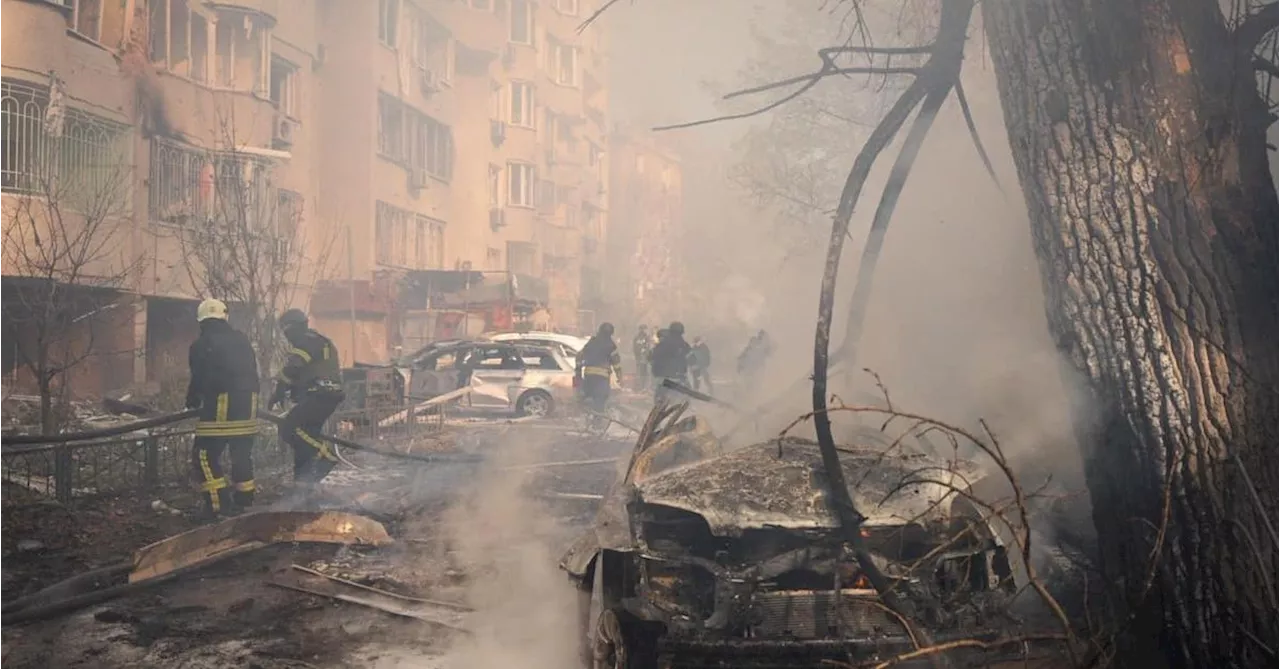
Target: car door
(495, 368)
(436, 373)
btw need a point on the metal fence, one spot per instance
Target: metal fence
(137, 464)
(124, 465)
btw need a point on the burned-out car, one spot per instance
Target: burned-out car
(706, 557)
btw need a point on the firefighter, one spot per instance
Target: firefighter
(312, 377)
(700, 365)
(640, 347)
(224, 387)
(595, 361)
(670, 359)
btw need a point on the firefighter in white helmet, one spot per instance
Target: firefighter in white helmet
(224, 387)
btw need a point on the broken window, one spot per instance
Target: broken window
(391, 225)
(284, 86)
(179, 40)
(520, 180)
(521, 25)
(495, 186)
(224, 49)
(433, 48)
(388, 21)
(566, 65)
(430, 243)
(521, 258)
(87, 18)
(391, 142)
(521, 107)
(199, 48)
(187, 184)
(179, 43)
(434, 148)
(288, 218)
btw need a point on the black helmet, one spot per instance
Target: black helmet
(606, 329)
(676, 328)
(293, 318)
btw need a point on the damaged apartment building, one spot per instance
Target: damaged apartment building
(422, 169)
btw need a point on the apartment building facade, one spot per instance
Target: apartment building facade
(644, 284)
(398, 154)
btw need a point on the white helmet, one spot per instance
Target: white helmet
(211, 308)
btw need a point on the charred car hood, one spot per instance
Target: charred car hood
(766, 485)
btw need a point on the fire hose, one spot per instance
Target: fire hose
(37, 442)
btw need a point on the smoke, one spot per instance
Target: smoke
(511, 546)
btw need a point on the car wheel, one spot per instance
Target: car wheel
(535, 403)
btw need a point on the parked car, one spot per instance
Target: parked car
(569, 345)
(528, 379)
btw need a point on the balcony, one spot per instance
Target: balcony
(266, 8)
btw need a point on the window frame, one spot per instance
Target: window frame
(575, 7)
(528, 106)
(529, 7)
(558, 71)
(525, 184)
(388, 23)
(290, 102)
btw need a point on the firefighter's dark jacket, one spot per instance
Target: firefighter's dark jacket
(598, 357)
(312, 366)
(671, 357)
(224, 381)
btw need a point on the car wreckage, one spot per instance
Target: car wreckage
(702, 556)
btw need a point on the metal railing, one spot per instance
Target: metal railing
(122, 465)
(397, 424)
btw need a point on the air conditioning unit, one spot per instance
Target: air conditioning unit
(282, 131)
(429, 81)
(417, 179)
(497, 218)
(497, 132)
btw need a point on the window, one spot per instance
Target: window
(179, 34)
(86, 18)
(482, 5)
(288, 217)
(433, 48)
(521, 27)
(388, 21)
(521, 108)
(83, 155)
(566, 65)
(521, 258)
(433, 150)
(391, 225)
(413, 139)
(593, 154)
(430, 243)
(492, 258)
(569, 7)
(495, 186)
(188, 185)
(546, 196)
(405, 239)
(284, 86)
(391, 128)
(520, 180)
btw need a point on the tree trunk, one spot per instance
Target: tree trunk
(1138, 138)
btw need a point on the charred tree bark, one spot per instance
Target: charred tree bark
(1139, 140)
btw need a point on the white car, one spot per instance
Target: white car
(529, 379)
(569, 345)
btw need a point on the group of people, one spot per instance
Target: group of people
(664, 356)
(224, 390)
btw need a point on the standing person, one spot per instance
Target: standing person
(700, 365)
(595, 361)
(313, 378)
(670, 359)
(640, 348)
(224, 387)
